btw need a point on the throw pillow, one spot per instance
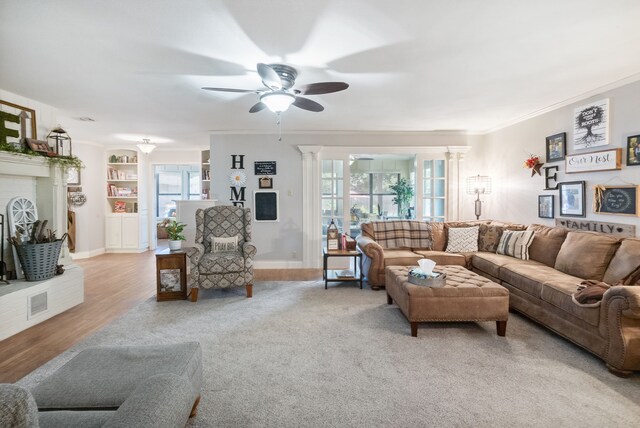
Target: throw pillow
(463, 239)
(515, 243)
(489, 237)
(219, 245)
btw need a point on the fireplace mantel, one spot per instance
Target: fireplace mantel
(23, 165)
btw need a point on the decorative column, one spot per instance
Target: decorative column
(311, 218)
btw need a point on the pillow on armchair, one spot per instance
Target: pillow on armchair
(221, 245)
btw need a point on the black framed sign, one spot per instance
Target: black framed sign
(264, 168)
(265, 205)
(620, 200)
(572, 199)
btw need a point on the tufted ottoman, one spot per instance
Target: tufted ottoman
(466, 297)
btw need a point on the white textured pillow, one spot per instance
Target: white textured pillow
(462, 239)
(219, 245)
(515, 243)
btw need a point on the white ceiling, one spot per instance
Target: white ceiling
(136, 67)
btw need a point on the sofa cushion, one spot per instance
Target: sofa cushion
(103, 377)
(400, 258)
(490, 262)
(586, 255)
(558, 290)
(76, 418)
(625, 260)
(443, 258)
(515, 243)
(463, 239)
(546, 243)
(438, 236)
(226, 262)
(489, 237)
(527, 275)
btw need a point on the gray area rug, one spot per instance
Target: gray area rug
(297, 355)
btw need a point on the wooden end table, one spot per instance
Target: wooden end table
(333, 275)
(171, 275)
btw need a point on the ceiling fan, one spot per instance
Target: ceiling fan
(280, 94)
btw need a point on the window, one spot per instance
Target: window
(371, 198)
(332, 183)
(434, 190)
(175, 182)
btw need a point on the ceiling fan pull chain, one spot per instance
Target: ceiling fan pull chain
(279, 122)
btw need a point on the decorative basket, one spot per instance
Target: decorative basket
(39, 261)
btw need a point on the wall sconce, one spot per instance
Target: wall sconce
(59, 136)
(476, 185)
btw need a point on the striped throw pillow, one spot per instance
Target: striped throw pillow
(515, 243)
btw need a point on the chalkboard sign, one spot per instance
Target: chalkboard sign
(265, 205)
(264, 168)
(621, 200)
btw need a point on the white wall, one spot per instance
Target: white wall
(515, 195)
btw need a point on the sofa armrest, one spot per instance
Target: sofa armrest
(163, 400)
(620, 326)
(372, 260)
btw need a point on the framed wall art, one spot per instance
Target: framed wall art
(619, 200)
(572, 199)
(19, 123)
(265, 205)
(556, 147)
(546, 206)
(604, 160)
(265, 183)
(633, 150)
(591, 125)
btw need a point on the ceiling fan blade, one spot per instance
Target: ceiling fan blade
(257, 107)
(230, 90)
(323, 88)
(269, 77)
(307, 104)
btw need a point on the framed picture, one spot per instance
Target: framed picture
(633, 150)
(545, 206)
(171, 276)
(73, 177)
(572, 199)
(19, 121)
(591, 125)
(556, 147)
(265, 183)
(603, 160)
(619, 200)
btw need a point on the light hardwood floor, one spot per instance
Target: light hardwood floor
(113, 284)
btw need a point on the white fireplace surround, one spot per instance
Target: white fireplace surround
(32, 177)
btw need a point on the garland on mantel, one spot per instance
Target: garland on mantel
(64, 162)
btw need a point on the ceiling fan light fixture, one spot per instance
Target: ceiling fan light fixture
(146, 147)
(277, 102)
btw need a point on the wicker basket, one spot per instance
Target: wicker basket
(39, 261)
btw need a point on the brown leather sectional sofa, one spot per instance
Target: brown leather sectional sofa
(541, 287)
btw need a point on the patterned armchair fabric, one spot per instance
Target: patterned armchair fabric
(223, 269)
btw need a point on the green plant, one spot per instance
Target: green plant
(404, 196)
(64, 162)
(174, 230)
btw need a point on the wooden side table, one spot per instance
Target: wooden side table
(332, 275)
(171, 274)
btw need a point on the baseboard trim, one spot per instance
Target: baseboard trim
(87, 254)
(287, 274)
(277, 264)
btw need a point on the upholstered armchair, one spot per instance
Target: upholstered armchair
(221, 266)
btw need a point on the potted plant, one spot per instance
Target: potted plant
(403, 198)
(174, 230)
